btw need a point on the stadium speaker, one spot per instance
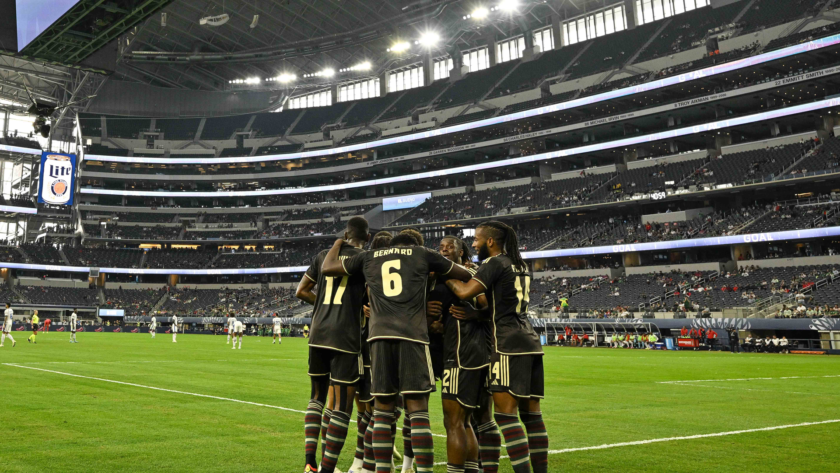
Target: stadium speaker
(255, 21)
(163, 19)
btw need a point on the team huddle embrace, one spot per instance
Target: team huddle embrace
(390, 320)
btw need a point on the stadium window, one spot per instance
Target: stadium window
(510, 49)
(544, 38)
(648, 11)
(364, 89)
(476, 60)
(316, 99)
(405, 79)
(441, 69)
(594, 25)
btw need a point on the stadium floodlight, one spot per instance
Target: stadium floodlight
(365, 66)
(284, 78)
(327, 72)
(480, 13)
(429, 39)
(253, 80)
(508, 5)
(399, 47)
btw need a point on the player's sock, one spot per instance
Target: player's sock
(362, 421)
(422, 443)
(489, 446)
(325, 425)
(516, 441)
(369, 462)
(381, 441)
(11, 338)
(450, 468)
(336, 436)
(311, 429)
(537, 440)
(2, 339)
(408, 452)
(228, 340)
(471, 467)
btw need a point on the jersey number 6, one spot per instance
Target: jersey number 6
(391, 282)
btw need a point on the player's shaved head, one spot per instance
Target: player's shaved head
(357, 229)
(404, 239)
(417, 236)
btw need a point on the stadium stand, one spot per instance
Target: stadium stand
(178, 128)
(315, 118)
(274, 124)
(61, 295)
(126, 127)
(223, 128)
(104, 257)
(133, 301)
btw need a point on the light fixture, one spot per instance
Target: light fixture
(480, 13)
(508, 5)
(325, 73)
(428, 39)
(399, 47)
(365, 66)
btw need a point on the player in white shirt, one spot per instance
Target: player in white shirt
(74, 321)
(238, 330)
(174, 328)
(153, 327)
(8, 320)
(231, 322)
(278, 327)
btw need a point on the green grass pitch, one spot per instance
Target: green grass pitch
(58, 423)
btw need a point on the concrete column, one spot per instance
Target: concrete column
(557, 30)
(428, 68)
(630, 13)
(383, 84)
(490, 39)
(334, 93)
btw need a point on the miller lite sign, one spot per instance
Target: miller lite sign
(56, 184)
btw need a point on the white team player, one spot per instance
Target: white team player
(278, 327)
(74, 321)
(153, 327)
(231, 323)
(8, 320)
(238, 329)
(174, 328)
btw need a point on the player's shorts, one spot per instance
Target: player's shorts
(365, 353)
(341, 367)
(35, 328)
(277, 330)
(468, 387)
(364, 386)
(400, 367)
(174, 329)
(152, 330)
(519, 375)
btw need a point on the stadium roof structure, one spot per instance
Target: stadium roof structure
(172, 49)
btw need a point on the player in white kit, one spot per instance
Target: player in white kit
(231, 323)
(238, 330)
(8, 319)
(153, 327)
(74, 321)
(175, 322)
(278, 327)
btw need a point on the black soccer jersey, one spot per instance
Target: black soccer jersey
(465, 342)
(396, 279)
(338, 316)
(507, 292)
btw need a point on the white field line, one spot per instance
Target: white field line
(676, 439)
(745, 379)
(156, 389)
(16, 365)
(144, 361)
(697, 385)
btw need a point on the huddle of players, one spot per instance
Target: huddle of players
(429, 317)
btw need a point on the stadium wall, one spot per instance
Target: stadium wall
(135, 99)
(674, 267)
(788, 262)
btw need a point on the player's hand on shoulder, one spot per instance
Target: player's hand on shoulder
(463, 313)
(434, 309)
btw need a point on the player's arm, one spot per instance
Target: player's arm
(332, 265)
(489, 272)
(304, 290)
(481, 312)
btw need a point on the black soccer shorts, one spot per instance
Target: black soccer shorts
(519, 375)
(400, 367)
(468, 387)
(363, 386)
(341, 367)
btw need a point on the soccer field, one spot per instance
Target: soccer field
(124, 402)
